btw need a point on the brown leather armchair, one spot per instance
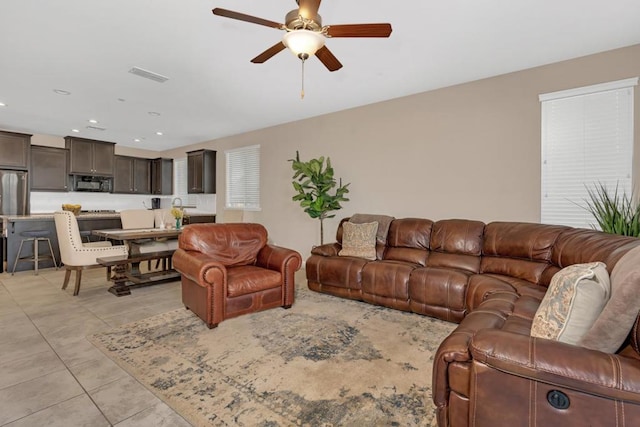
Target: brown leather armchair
(229, 270)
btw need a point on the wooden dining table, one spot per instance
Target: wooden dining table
(132, 236)
(127, 268)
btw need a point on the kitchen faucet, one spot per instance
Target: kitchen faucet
(173, 202)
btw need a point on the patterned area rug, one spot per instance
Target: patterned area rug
(325, 362)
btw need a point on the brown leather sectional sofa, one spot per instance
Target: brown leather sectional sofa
(491, 278)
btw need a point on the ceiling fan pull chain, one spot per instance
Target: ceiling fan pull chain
(302, 91)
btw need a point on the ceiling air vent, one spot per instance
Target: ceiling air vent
(148, 75)
(96, 128)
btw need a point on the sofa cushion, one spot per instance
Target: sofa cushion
(574, 300)
(521, 250)
(439, 292)
(408, 240)
(387, 283)
(248, 279)
(359, 240)
(615, 322)
(456, 243)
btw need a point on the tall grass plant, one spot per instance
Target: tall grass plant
(615, 213)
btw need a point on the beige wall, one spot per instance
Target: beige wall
(467, 151)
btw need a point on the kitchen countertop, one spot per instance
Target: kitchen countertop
(41, 216)
(87, 215)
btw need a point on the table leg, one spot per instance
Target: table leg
(119, 279)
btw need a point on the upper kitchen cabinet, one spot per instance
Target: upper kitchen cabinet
(162, 176)
(49, 169)
(90, 157)
(132, 175)
(14, 150)
(201, 171)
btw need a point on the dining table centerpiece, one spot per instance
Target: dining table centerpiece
(178, 214)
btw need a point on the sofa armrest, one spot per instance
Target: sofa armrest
(287, 262)
(279, 259)
(610, 376)
(455, 349)
(199, 268)
(330, 249)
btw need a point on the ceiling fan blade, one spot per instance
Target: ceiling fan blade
(326, 57)
(308, 8)
(247, 18)
(267, 54)
(359, 30)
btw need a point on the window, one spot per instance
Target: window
(243, 178)
(180, 182)
(587, 139)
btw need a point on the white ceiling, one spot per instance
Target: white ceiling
(87, 47)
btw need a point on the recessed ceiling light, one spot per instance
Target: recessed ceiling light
(2, 104)
(75, 130)
(153, 113)
(136, 140)
(94, 121)
(159, 133)
(62, 92)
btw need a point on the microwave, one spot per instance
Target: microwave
(98, 184)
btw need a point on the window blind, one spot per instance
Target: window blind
(587, 140)
(243, 178)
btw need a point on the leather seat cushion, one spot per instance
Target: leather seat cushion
(443, 287)
(249, 279)
(341, 272)
(387, 279)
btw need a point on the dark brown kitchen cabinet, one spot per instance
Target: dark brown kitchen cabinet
(132, 175)
(90, 157)
(162, 176)
(14, 150)
(197, 219)
(49, 169)
(201, 171)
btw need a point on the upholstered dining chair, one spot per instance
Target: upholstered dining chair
(147, 218)
(76, 255)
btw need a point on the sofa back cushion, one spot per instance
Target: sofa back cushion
(456, 243)
(579, 246)
(408, 240)
(230, 244)
(518, 249)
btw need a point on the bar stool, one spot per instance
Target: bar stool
(85, 234)
(35, 236)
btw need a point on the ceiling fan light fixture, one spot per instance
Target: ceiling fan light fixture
(303, 43)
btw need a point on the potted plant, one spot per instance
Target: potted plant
(614, 213)
(313, 182)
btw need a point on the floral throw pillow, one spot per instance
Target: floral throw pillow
(576, 296)
(359, 240)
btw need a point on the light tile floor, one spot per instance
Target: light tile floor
(51, 375)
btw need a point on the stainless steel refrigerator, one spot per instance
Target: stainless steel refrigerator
(14, 193)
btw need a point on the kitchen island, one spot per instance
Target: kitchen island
(14, 225)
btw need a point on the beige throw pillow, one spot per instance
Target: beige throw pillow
(576, 296)
(359, 240)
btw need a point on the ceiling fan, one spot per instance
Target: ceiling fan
(305, 35)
